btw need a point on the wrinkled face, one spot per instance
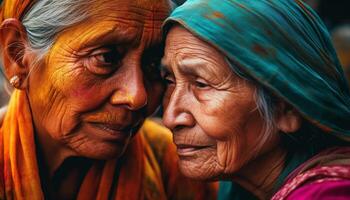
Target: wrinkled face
(210, 110)
(100, 79)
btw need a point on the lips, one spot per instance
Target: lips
(190, 150)
(113, 132)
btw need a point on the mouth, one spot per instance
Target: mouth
(113, 132)
(184, 150)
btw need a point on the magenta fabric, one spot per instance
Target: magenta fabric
(329, 190)
(323, 170)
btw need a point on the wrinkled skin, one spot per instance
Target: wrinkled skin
(93, 89)
(214, 118)
(98, 82)
(94, 92)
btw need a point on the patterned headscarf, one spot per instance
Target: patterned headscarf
(284, 45)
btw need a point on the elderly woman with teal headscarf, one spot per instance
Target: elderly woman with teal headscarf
(256, 97)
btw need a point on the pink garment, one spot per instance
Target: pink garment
(325, 176)
(329, 190)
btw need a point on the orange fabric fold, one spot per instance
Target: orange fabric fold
(147, 170)
(18, 165)
(20, 175)
(14, 8)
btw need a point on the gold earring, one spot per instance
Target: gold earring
(15, 81)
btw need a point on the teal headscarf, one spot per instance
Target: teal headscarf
(284, 45)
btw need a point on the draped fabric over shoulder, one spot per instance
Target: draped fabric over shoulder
(284, 45)
(146, 170)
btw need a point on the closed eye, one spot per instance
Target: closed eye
(201, 84)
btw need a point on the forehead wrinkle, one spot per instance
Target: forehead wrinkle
(145, 16)
(114, 33)
(125, 13)
(143, 20)
(190, 65)
(142, 4)
(97, 34)
(198, 67)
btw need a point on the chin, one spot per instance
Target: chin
(102, 151)
(199, 170)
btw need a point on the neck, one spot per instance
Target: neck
(52, 153)
(261, 181)
(61, 172)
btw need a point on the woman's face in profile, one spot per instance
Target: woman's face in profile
(100, 79)
(210, 110)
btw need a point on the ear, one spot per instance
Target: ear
(289, 120)
(13, 42)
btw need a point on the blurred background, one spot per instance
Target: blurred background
(4, 94)
(336, 16)
(334, 13)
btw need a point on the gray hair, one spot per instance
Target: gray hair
(265, 104)
(47, 18)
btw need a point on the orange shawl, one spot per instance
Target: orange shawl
(20, 177)
(148, 172)
(14, 8)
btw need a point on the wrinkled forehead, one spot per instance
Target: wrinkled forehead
(149, 13)
(18, 8)
(155, 7)
(127, 20)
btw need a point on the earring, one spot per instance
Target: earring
(15, 81)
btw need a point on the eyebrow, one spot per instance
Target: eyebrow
(193, 66)
(190, 66)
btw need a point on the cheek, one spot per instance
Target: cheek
(242, 145)
(80, 88)
(57, 96)
(236, 129)
(232, 153)
(217, 117)
(225, 115)
(202, 167)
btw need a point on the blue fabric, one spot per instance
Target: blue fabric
(283, 45)
(231, 191)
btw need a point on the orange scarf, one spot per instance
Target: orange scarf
(19, 173)
(14, 8)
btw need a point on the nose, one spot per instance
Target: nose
(131, 90)
(177, 114)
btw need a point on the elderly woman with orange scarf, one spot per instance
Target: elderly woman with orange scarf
(256, 96)
(85, 77)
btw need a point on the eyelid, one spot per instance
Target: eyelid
(96, 64)
(205, 84)
(100, 50)
(167, 76)
(201, 80)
